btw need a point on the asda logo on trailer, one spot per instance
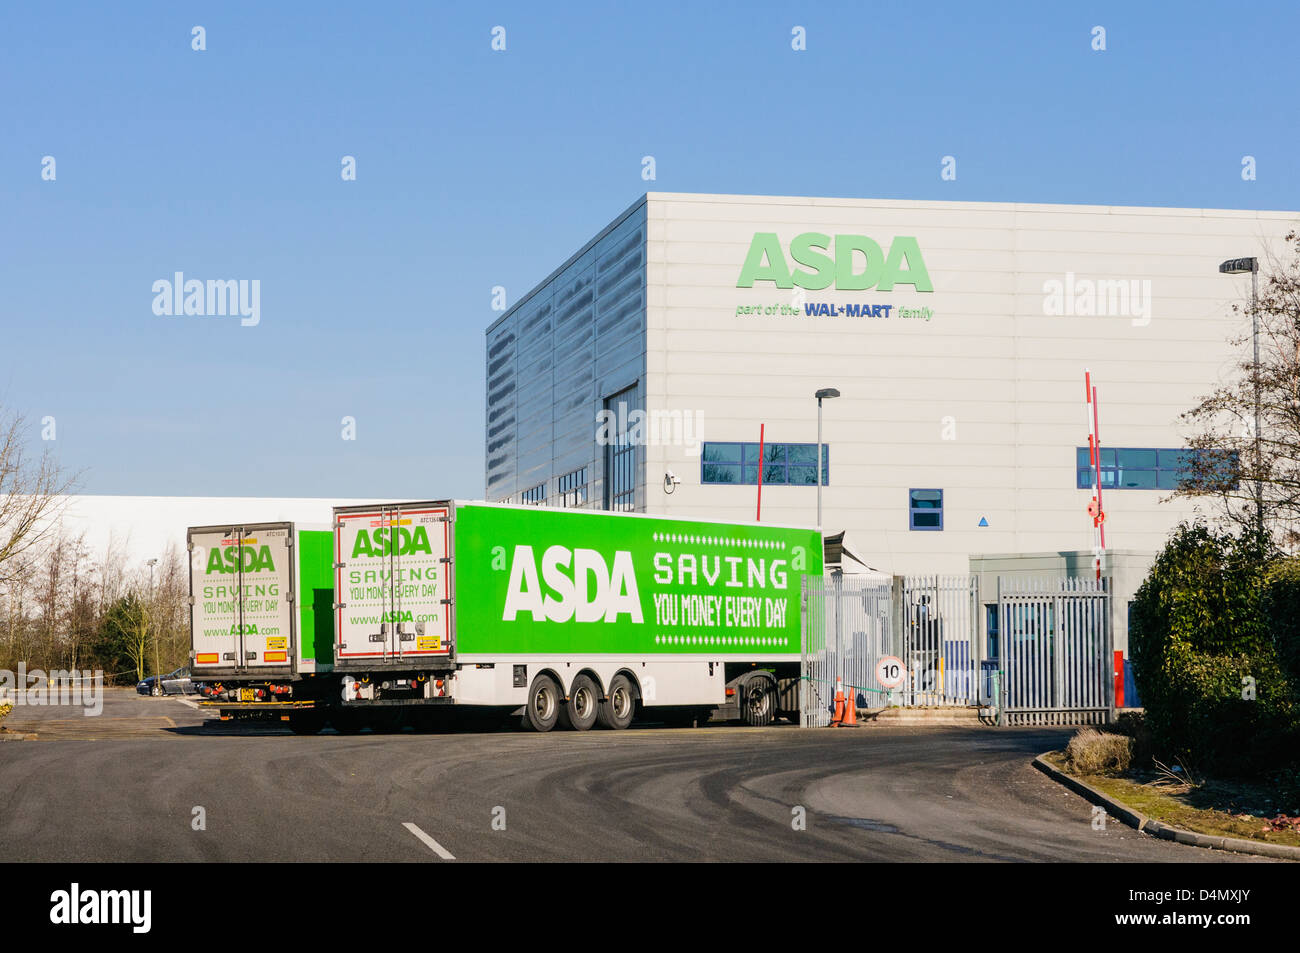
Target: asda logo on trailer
(241, 559)
(581, 586)
(849, 262)
(392, 541)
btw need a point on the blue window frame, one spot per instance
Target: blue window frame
(925, 509)
(784, 464)
(1135, 468)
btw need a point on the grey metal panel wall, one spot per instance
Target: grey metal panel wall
(572, 341)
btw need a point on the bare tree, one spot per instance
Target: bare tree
(15, 592)
(32, 494)
(78, 617)
(171, 607)
(136, 627)
(112, 572)
(1226, 463)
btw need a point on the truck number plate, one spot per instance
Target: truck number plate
(247, 695)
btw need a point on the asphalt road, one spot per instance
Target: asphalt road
(124, 786)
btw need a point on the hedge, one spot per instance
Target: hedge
(1215, 611)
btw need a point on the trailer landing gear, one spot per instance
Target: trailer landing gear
(306, 722)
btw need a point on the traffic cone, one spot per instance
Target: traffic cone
(850, 709)
(839, 704)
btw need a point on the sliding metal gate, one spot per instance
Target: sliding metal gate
(851, 622)
(940, 643)
(846, 629)
(1054, 642)
(1056, 663)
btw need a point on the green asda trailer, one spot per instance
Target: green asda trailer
(574, 618)
(261, 617)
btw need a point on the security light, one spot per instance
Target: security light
(1239, 266)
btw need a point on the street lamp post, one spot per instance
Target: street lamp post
(824, 394)
(1239, 266)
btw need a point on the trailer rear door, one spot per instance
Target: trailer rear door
(393, 584)
(241, 600)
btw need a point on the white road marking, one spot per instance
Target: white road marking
(429, 842)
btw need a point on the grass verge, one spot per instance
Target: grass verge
(1214, 807)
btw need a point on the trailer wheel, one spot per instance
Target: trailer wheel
(544, 703)
(758, 701)
(619, 706)
(583, 706)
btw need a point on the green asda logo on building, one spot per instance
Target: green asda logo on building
(850, 262)
(241, 559)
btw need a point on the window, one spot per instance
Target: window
(621, 455)
(573, 488)
(1128, 468)
(925, 509)
(991, 629)
(784, 464)
(534, 496)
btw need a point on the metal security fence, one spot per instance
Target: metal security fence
(1051, 646)
(1055, 665)
(846, 628)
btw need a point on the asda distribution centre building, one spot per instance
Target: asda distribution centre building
(638, 375)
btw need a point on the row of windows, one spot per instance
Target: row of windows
(790, 464)
(573, 488)
(1132, 468)
(795, 464)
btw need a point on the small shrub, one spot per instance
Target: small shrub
(1178, 775)
(1095, 752)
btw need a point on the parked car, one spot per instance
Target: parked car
(173, 683)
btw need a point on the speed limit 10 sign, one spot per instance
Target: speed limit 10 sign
(890, 672)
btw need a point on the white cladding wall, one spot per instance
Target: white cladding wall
(139, 528)
(1008, 375)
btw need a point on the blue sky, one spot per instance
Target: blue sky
(478, 168)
